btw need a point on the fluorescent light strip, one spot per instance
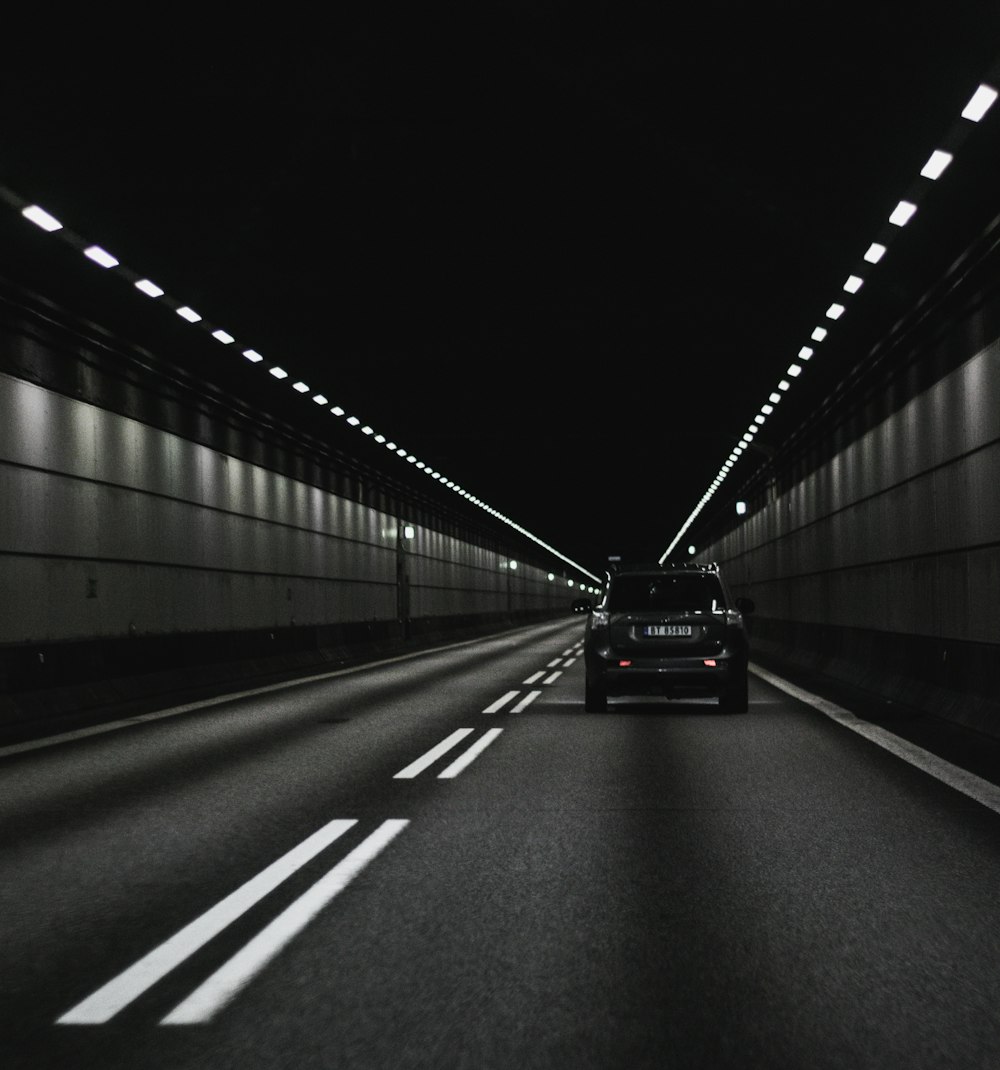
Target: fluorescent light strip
(980, 103)
(46, 221)
(935, 166)
(41, 218)
(902, 213)
(100, 256)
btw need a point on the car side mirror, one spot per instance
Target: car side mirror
(581, 605)
(746, 605)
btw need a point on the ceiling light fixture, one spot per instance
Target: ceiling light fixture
(41, 218)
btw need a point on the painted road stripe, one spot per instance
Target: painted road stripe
(553, 663)
(570, 661)
(551, 679)
(227, 981)
(470, 755)
(534, 677)
(982, 791)
(417, 767)
(501, 702)
(526, 701)
(218, 700)
(118, 993)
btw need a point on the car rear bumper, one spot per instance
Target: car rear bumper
(620, 675)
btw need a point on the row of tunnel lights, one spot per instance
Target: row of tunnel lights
(977, 107)
(100, 256)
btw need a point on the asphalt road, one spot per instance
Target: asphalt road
(444, 862)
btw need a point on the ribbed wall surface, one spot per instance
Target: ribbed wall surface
(110, 527)
(882, 564)
(900, 530)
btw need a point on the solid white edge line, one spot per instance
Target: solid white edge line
(526, 701)
(501, 702)
(218, 700)
(470, 755)
(227, 981)
(417, 767)
(119, 992)
(551, 679)
(970, 785)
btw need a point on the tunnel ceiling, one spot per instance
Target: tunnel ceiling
(561, 253)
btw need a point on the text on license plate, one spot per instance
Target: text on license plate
(667, 629)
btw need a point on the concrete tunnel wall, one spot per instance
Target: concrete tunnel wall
(112, 528)
(877, 561)
(146, 529)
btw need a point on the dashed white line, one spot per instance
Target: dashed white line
(552, 677)
(209, 998)
(204, 704)
(502, 701)
(553, 663)
(534, 677)
(119, 992)
(417, 767)
(470, 755)
(570, 661)
(526, 701)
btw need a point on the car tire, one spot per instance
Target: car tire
(595, 698)
(736, 697)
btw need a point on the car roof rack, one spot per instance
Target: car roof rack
(670, 566)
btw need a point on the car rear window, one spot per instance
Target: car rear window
(692, 592)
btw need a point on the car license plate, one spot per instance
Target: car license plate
(667, 629)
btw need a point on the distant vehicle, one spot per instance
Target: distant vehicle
(673, 631)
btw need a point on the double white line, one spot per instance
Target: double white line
(235, 974)
(469, 756)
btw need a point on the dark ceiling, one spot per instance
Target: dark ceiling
(561, 253)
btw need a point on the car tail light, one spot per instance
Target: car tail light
(710, 662)
(624, 664)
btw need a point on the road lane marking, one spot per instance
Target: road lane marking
(502, 701)
(534, 677)
(470, 755)
(570, 661)
(227, 981)
(551, 679)
(218, 700)
(526, 701)
(417, 767)
(553, 663)
(982, 791)
(119, 992)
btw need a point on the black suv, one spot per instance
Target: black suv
(671, 631)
